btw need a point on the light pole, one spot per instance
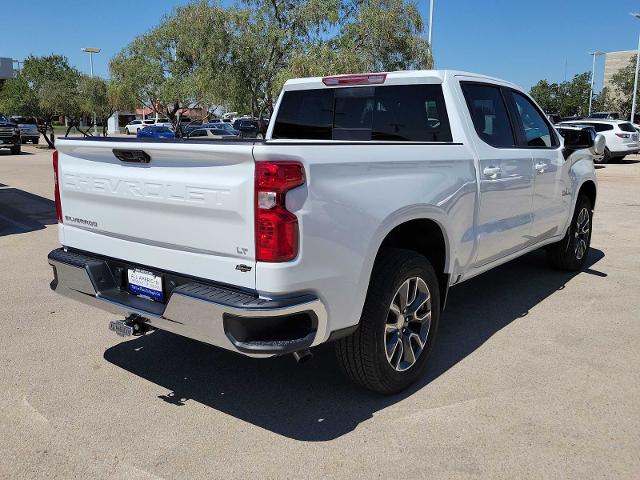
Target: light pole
(593, 73)
(91, 51)
(635, 80)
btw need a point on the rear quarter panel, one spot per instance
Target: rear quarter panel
(354, 196)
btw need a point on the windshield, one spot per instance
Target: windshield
(24, 120)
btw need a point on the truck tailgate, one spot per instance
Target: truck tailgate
(189, 210)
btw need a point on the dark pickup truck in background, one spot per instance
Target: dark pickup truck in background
(9, 135)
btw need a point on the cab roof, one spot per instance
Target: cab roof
(402, 77)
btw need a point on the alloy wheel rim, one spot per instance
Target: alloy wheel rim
(583, 228)
(408, 324)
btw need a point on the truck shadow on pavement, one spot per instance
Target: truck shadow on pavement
(22, 212)
(314, 401)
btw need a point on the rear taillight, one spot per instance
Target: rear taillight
(360, 79)
(57, 186)
(276, 227)
(623, 135)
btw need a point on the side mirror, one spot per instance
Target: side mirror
(583, 138)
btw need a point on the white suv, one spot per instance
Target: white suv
(135, 125)
(621, 137)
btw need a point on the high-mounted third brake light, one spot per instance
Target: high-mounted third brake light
(360, 79)
(276, 227)
(56, 186)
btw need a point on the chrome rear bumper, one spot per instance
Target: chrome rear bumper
(211, 313)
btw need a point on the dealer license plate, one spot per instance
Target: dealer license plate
(145, 283)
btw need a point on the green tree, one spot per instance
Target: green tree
(567, 98)
(177, 65)
(207, 55)
(619, 95)
(100, 97)
(17, 98)
(266, 34)
(380, 35)
(45, 88)
(548, 95)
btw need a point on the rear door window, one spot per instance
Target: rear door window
(406, 113)
(305, 114)
(489, 114)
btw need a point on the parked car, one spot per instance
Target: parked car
(249, 128)
(9, 135)
(222, 124)
(156, 131)
(209, 133)
(605, 115)
(133, 126)
(163, 121)
(621, 137)
(348, 224)
(28, 129)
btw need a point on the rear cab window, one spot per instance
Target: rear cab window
(402, 113)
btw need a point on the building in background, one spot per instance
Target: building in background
(6, 68)
(614, 62)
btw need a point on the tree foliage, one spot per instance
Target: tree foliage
(619, 95)
(45, 88)
(567, 98)
(177, 65)
(207, 55)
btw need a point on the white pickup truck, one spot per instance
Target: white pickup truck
(370, 196)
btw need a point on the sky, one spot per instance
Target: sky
(518, 41)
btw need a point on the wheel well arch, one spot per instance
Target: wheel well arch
(588, 188)
(424, 236)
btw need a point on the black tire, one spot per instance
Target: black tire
(363, 354)
(16, 150)
(606, 158)
(126, 130)
(36, 141)
(565, 253)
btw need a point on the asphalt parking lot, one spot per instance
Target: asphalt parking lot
(536, 374)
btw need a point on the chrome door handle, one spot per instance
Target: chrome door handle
(491, 172)
(541, 167)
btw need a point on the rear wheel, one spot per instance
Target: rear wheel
(606, 158)
(571, 252)
(16, 150)
(397, 330)
(126, 130)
